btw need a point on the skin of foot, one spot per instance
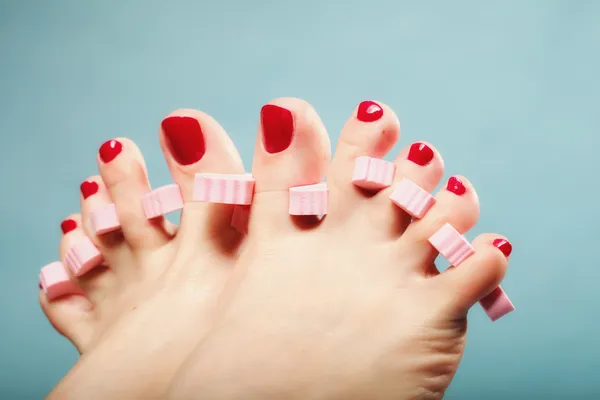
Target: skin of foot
(351, 306)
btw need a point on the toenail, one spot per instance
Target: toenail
(456, 186)
(89, 188)
(68, 225)
(420, 154)
(277, 128)
(504, 246)
(109, 150)
(369, 111)
(185, 139)
(40, 285)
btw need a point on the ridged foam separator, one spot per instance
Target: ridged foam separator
(56, 281)
(373, 173)
(309, 199)
(455, 248)
(410, 197)
(224, 188)
(162, 201)
(83, 256)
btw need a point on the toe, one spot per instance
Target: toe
(292, 150)
(456, 204)
(64, 304)
(371, 131)
(123, 171)
(83, 260)
(194, 143)
(477, 279)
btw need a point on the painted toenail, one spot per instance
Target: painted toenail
(110, 150)
(55, 281)
(105, 219)
(309, 199)
(89, 188)
(420, 154)
(40, 285)
(413, 199)
(504, 246)
(83, 256)
(185, 139)
(162, 201)
(373, 173)
(277, 128)
(369, 111)
(456, 186)
(68, 225)
(224, 188)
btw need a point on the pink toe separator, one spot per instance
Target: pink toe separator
(105, 219)
(240, 218)
(224, 188)
(373, 173)
(83, 256)
(309, 199)
(56, 281)
(410, 197)
(455, 248)
(162, 201)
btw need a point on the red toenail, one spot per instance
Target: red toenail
(40, 284)
(277, 128)
(369, 111)
(89, 188)
(456, 186)
(420, 154)
(109, 150)
(185, 139)
(504, 246)
(68, 225)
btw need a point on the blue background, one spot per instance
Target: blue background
(507, 91)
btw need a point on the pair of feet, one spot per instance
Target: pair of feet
(351, 306)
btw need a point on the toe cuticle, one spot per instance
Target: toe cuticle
(456, 186)
(68, 225)
(89, 188)
(110, 150)
(504, 246)
(369, 111)
(184, 139)
(277, 128)
(420, 154)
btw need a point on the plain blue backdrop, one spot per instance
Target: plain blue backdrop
(507, 91)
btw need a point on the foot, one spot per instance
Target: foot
(136, 318)
(351, 306)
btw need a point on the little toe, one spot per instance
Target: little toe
(292, 151)
(123, 171)
(477, 279)
(456, 204)
(196, 147)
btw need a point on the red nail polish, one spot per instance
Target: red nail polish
(89, 188)
(40, 284)
(185, 139)
(68, 225)
(369, 111)
(109, 150)
(277, 128)
(456, 186)
(420, 154)
(504, 246)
